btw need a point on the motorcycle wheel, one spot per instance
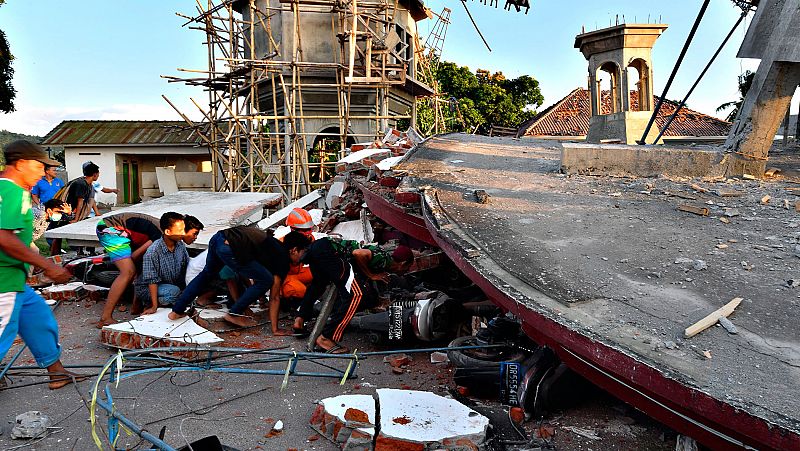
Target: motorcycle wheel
(471, 358)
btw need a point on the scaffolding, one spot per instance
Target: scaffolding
(292, 83)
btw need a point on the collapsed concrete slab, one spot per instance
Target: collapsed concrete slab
(408, 420)
(647, 161)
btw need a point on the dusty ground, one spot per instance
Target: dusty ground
(247, 405)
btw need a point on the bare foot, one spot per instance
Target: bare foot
(282, 332)
(241, 321)
(60, 377)
(173, 315)
(201, 322)
(105, 322)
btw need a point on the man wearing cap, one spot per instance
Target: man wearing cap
(21, 309)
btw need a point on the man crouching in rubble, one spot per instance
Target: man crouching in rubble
(21, 309)
(163, 265)
(252, 253)
(327, 266)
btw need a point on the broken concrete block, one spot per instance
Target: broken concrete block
(62, 292)
(348, 420)
(419, 420)
(30, 424)
(728, 325)
(158, 331)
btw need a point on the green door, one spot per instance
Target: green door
(134, 181)
(126, 197)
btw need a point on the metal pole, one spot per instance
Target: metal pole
(674, 70)
(700, 77)
(13, 359)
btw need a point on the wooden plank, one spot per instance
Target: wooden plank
(702, 211)
(712, 318)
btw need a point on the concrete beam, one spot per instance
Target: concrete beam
(647, 161)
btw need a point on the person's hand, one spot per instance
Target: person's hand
(57, 274)
(150, 310)
(382, 277)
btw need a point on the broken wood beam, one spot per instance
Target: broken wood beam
(712, 318)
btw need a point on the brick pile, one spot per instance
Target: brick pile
(364, 155)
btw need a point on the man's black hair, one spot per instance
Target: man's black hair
(52, 204)
(169, 219)
(296, 240)
(192, 223)
(90, 170)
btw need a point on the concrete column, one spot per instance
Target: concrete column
(593, 94)
(625, 90)
(760, 116)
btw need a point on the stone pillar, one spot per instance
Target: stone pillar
(771, 37)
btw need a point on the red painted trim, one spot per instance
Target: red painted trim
(395, 216)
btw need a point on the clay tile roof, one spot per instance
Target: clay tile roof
(120, 132)
(570, 117)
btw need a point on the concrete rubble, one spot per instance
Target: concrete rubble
(158, 331)
(409, 420)
(30, 425)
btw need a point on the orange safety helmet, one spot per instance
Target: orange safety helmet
(300, 220)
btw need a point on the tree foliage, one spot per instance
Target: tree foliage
(477, 101)
(745, 81)
(7, 91)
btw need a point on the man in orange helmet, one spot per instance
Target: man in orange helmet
(299, 276)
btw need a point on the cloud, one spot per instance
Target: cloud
(40, 120)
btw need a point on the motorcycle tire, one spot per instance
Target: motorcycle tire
(472, 358)
(102, 278)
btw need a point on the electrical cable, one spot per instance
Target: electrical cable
(689, 38)
(699, 77)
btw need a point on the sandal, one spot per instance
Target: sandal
(300, 332)
(335, 349)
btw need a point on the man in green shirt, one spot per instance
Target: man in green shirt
(21, 309)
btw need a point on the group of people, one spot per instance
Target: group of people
(151, 253)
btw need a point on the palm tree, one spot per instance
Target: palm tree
(745, 80)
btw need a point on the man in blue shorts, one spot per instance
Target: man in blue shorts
(21, 309)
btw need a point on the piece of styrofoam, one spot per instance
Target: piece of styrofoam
(167, 182)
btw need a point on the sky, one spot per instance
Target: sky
(93, 59)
